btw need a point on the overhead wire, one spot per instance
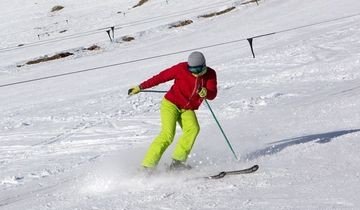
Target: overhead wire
(179, 52)
(116, 27)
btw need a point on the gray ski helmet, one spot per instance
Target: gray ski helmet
(196, 59)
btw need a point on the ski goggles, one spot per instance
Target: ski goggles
(197, 69)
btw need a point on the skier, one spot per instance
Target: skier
(193, 82)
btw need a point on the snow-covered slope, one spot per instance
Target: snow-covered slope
(75, 141)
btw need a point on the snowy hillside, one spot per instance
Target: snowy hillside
(71, 138)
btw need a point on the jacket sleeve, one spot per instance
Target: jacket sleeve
(162, 77)
(211, 86)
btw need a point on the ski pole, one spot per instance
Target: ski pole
(153, 91)
(222, 131)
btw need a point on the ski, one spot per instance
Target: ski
(222, 174)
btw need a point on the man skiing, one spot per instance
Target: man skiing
(193, 82)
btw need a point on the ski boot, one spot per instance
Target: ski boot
(146, 171)
(177, 165)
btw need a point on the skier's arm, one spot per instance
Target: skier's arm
(211, 87)
(164, 76)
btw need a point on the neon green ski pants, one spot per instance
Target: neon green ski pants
(170, 114)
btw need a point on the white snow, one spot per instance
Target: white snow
(76, 141)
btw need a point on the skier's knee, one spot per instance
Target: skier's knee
(166, 137)
(193, 130)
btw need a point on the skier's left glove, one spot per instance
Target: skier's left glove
(202, 92)
(134, 90)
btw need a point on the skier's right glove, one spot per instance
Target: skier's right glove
(134, 90)
(202, 92)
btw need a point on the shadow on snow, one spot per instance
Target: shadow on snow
(278, 146)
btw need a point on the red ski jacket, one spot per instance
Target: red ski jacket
(184, 91)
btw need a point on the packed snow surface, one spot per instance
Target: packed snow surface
(71, 138)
